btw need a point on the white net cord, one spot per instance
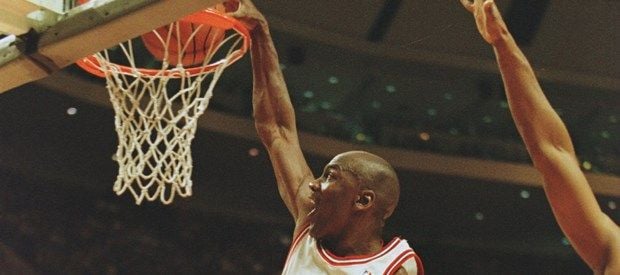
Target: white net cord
(156, 121)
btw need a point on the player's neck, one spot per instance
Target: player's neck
(356, 241)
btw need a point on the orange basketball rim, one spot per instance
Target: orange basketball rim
(208, 17)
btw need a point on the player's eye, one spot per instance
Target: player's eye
(330, 176)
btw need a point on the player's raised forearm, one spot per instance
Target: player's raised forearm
(537, 122)
(273, 111)
(275, 119)
(540, 126)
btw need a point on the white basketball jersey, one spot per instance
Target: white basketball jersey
(307, 257)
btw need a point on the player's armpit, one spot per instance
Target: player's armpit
(401, 271)
(411, 267)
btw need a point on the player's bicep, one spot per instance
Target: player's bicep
(575, 206)
(291, 171)
(567, 187)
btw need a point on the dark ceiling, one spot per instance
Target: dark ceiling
(410, 76)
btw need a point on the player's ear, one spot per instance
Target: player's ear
(365, 199)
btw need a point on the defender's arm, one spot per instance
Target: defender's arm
(594, 235)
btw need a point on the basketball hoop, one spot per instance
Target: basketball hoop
(155, 125)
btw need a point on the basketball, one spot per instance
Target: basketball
(188, 43)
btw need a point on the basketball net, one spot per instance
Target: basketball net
(156, 110)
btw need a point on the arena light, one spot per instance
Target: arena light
(525, 194)
(72, 111)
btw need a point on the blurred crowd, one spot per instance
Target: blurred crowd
(48, 228)
(56, 232)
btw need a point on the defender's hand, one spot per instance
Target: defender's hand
(488, 20)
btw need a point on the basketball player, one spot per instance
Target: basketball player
(594, 235)
(339, 216)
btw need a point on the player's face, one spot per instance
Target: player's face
(334, 195)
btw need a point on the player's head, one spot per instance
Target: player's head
(355, 187)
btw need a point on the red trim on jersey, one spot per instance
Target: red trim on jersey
(418, 262)
(295, 243)
(356, 259)
(398, 262)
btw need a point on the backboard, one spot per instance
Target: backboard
(39, 37)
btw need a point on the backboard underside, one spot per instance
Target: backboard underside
(82, 31)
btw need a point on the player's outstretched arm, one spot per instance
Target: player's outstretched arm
(594, 235)
(273, 112)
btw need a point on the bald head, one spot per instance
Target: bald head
(375, 174)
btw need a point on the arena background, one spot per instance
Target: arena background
(400, 78)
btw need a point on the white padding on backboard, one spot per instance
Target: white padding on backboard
(6, 41)
(8, 50)
(57, 6)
